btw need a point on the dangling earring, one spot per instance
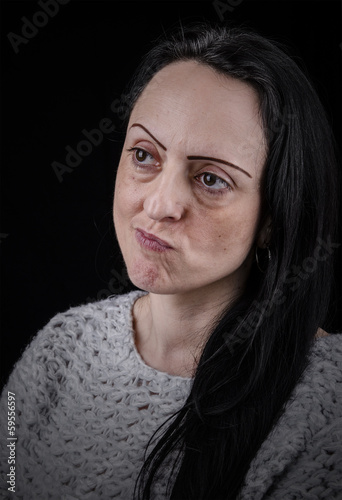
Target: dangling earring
(257, 258)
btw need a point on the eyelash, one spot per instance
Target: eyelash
(134, 160)
(214, 192)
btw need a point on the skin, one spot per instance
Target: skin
(212, 222)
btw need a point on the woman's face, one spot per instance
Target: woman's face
(187, 197)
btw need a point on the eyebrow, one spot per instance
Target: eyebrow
(209, 158)
(149, 133)
(219, 161)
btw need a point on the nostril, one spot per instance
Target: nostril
(162, 207)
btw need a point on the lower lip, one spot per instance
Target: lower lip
(149, 243)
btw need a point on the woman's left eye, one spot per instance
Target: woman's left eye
(212, 182)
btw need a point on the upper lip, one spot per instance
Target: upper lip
(151, 236)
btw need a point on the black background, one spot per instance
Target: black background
(58, 244)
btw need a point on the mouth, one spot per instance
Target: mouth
(151, 242)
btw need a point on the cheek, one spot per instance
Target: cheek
(126, 195)
(232, 231)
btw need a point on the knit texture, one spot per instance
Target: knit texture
(87, 405)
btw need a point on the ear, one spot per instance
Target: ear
(264, 236)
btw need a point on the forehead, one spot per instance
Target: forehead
(192, 104)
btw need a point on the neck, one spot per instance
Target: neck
(171, 330)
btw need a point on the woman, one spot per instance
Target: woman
(225, 211)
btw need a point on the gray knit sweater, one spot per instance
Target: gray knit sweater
(86, 405)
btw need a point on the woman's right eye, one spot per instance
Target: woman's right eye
(142, 158)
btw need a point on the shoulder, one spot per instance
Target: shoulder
(302, 455)
(316, 402)
(326, 354)
(88, 321)
(318, 395)
(325, 367)
(114, 308)
(75, 338)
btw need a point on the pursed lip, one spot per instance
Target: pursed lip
(152, 237)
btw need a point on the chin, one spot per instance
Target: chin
(148, 278)
(144, 277)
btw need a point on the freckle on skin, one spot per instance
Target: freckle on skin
(145, 274)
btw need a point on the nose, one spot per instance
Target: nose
(166, 198)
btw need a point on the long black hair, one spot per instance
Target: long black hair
(259, 347)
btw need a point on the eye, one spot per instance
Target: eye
(212, 182)
(140, 157)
